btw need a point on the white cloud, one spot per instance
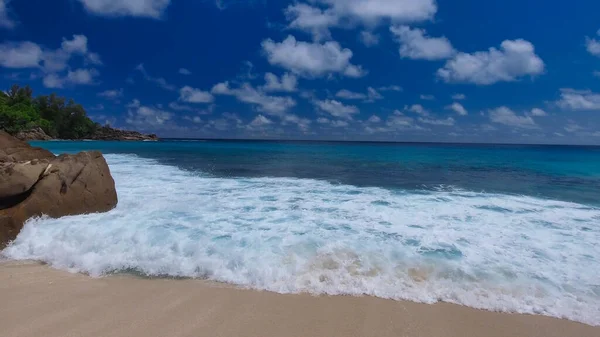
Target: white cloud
(52, 62)
(324, 14)
(516, 58)
(259, 121)
(311, 59)
(77, 45)
(414, 44)
(372, 11)
(311, 19)
(374, 119)
(390, 88)
(193, 95)
(593, 45)
(368, 38)
(579, 100)
(184, 71)
(336, 108)
(371, 95)
(146, 117)
(5, 20)
(427, 97)
(442, 122)
(274, 105)
(141, 8)
(161, 82)
(20, 55)
(572, 127)
(506, 116)
(537, 112)
(347, 94)
(287, 83)
(53, 81)
(458, 108)
(112, 94)
(418, 109)
(596, 73)
(459, 97)
(82, 76)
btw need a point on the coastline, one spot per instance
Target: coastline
(38, 300)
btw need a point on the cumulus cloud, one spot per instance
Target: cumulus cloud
(193, 95)
(374, 119)
(442, 122)
(418, 109)
(112, 94)
(140, 8)
(459, 97)
(371, 95)
(336, 108)
(593, 45)
(159, 81)
(5, 20)
(537, 112)
(311, 59)
(184, 71)
(82, 76)
(145, 117)
(51, 63)
(458, 108)
(504, 115)
(311, 19)
(414, 44)
(347, 94)
(369, 39)
(427, 97)
(319, 17)
(390, 88)
(259, 121)
(579, 100)
(273, 105)
(514, 59)
(287, 82)
(20, 55)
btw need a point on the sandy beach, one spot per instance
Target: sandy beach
(40, 301)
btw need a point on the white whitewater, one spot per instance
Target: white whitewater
(490, 251)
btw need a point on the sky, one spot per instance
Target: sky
(512, 71)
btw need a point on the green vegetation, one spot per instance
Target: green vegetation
(57, 116)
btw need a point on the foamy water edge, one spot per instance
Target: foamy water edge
(488, 251)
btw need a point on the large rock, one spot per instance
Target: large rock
(18, 178)
(12, 149)
(33, 134)
(65, 185)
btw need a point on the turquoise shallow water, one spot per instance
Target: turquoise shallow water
(505, 228)
(560, 172)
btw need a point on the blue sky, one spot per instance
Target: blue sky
(525, 71)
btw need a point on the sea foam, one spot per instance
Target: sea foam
(489, 251)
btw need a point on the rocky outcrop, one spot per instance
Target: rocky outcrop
(108, 133)
(56, 186)
(33, 134)
(14, 150)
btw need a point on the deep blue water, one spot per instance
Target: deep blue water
(566, 173)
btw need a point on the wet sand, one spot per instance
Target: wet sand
(36, 300)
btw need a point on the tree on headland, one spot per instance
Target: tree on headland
(57, 116)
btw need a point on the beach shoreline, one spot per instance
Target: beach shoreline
(38, 300)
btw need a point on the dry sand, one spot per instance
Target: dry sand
(36, 300)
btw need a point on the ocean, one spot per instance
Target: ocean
(512, 228)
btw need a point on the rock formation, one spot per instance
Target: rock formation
(33, 134)
(53, 186)
(108, 133)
